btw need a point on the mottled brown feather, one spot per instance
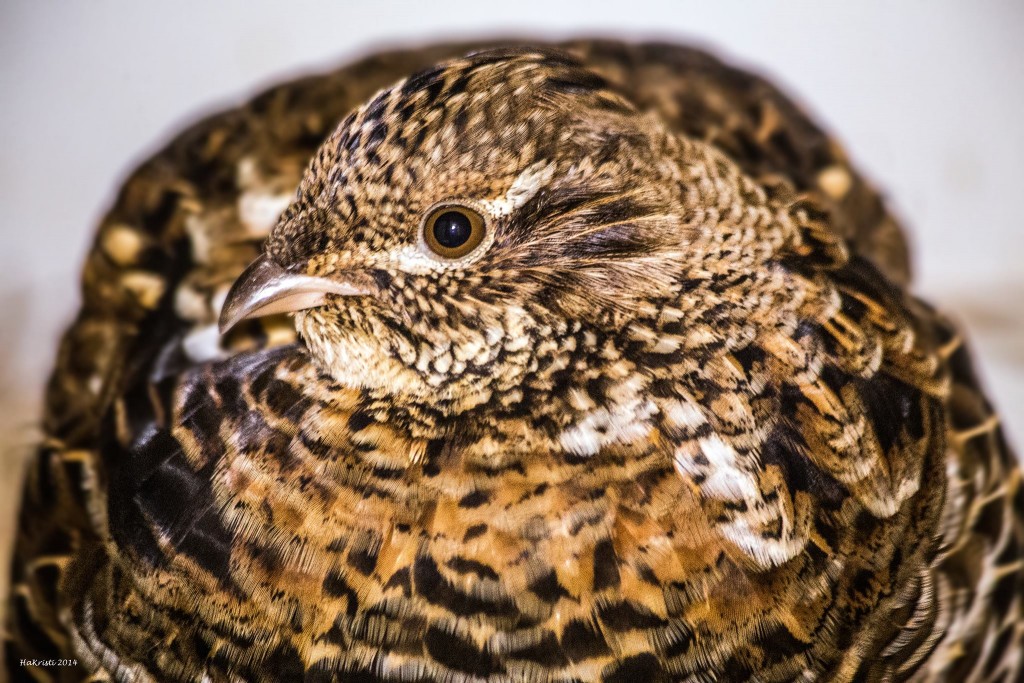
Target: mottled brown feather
(804, 482)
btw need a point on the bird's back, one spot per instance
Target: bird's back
(188, 221)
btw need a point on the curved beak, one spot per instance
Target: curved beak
(266, 288)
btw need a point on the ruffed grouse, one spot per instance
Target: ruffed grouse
(605, 370)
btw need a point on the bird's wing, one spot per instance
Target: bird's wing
(925, 395)
(979, 570)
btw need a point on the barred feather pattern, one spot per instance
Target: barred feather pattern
(779, 469)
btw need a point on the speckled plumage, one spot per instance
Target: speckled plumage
(678, 419)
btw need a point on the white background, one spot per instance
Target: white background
(927, 96)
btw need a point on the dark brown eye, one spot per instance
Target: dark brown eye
(453, 231)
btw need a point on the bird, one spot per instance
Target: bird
(514, 361)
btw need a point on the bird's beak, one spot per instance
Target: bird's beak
(266, 288)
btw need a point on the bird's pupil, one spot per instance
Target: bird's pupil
(452, 229)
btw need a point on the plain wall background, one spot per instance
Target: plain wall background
(927, 96)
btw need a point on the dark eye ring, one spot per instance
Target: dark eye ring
(453, 230)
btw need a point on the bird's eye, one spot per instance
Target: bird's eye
(453, 231)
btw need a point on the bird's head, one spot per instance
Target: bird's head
(487, 233)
